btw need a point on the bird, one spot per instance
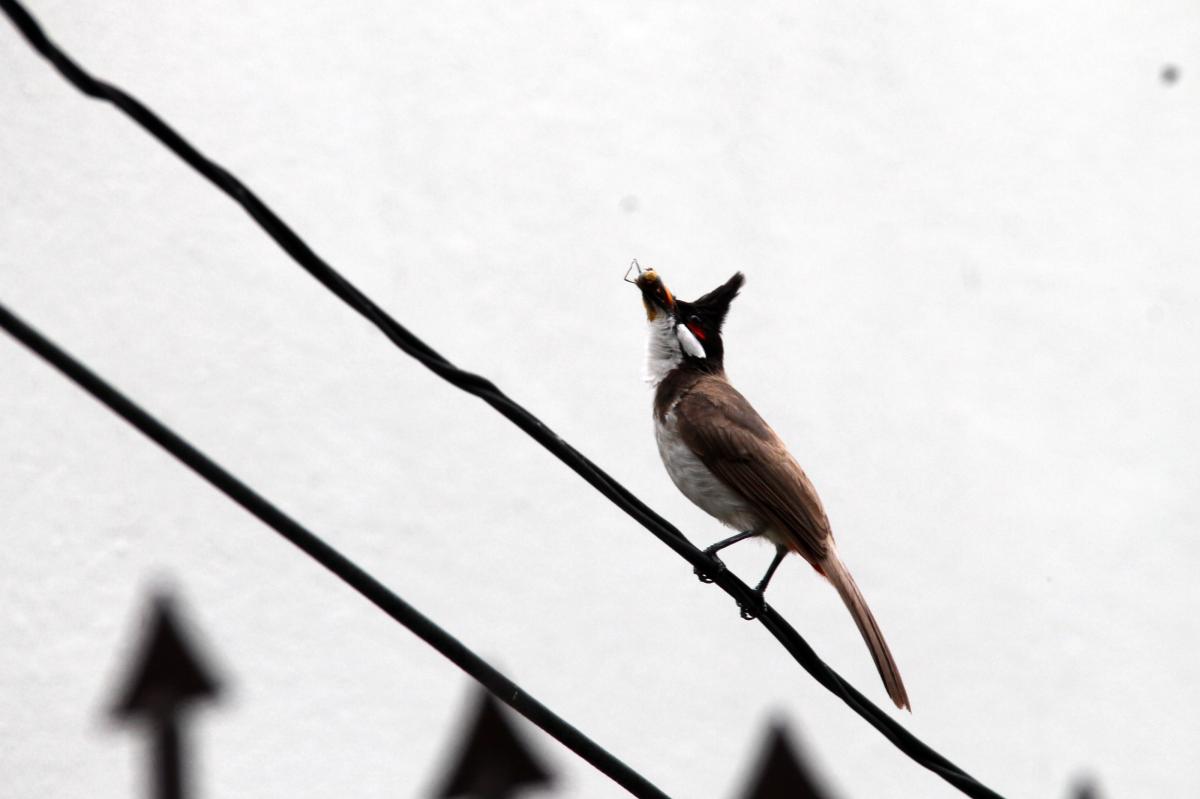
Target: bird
(723, 457)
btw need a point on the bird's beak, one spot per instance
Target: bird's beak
(655, 294)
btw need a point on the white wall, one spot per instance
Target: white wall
(971, 239)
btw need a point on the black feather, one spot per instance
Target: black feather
(708, 314)
(716, 302)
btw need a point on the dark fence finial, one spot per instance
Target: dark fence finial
(166, 677)
(781, 772)
(492, 762)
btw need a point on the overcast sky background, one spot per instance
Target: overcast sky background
(970, 236)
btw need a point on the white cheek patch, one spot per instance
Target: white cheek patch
(688, 341)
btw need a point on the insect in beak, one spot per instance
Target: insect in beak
(633, 265)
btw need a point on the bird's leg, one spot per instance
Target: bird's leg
(717, 547)
(761, 589)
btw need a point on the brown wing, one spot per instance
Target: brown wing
(742, 450)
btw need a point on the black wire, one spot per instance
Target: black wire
(349, 572)
(489, 393)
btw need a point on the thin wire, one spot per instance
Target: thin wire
(304, 256)
(333, 560)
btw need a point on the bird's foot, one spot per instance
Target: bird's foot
(755, 608)
(706, 576)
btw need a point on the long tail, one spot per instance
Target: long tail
(836, 571)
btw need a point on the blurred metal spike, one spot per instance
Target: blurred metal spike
(167, 673)
(493, 762)
(781, 772)
(166, 678)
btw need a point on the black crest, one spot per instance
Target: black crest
(705, 317)
(715, 304)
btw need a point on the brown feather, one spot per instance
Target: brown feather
(734, 442)
(840, 577)
(742, 450)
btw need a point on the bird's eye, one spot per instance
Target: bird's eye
(694, 320)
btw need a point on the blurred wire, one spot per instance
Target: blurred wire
(349, 572)
(489, 393)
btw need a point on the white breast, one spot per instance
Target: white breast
(697, 483)
(662, 349)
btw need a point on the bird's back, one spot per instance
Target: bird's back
(733, 442)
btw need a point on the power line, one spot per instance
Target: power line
(307, 259)
(347, 570)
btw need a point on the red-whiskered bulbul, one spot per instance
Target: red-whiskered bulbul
(727, 460)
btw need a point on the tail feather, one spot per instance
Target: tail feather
(836, 572)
